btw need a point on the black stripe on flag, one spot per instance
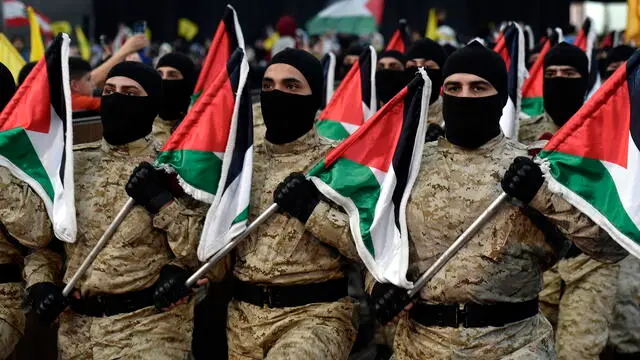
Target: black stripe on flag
(633, 82)
(53, 57)
(230, 26)
(512, 40)
(326, 67)
(244, 131)
(403, 155)
(366, 67)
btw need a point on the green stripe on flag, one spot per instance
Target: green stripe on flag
(199, 169)
(243, 216)
(195, 97)
(332, 130)
(532, 106)
(581, 176)
(16, 146)
(357, 183)
(358, 25)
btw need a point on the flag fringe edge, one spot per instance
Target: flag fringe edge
(195, 193)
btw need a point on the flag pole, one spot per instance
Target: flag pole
(108, 234)
(191, 281)
(460, 242)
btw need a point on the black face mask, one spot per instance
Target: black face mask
(471, 122)
(389, 83)
(127, 118)
(563, 97)
(176, 97)
(287, 116)
(436, 84)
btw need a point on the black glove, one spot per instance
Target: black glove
(47, 301)
(170, 286)
(523, 179)
(149, 187)
(297, 196)
(433, 133)
(389, 301)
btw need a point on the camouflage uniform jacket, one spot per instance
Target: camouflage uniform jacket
(161, 130)
(532, 129)
(142, 244)
(435, 113)
(625, 331)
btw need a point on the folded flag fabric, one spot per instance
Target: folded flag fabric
(358, 17)
(401, 40)
(329, 70)
(371, 174)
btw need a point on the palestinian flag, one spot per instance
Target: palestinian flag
(212, 154)
(586, 40)
(354, 102)
(357, 17)
(401, 40)
(597, 175)
(532, 90)
(511, 47)
(36, 137)
(329, 70)
(226, 40)
(371, 175)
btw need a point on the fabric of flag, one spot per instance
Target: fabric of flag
(599, 176)
(632, 32)
(511, 48)
(36, 135)
(187, 29)
(83, 44)
(37, 46)
(532, 95)
(354, 102)
(10, 57)
(401, 40)
(226, 40)
(586, 40)
(212, 154)
(431, 31)
(358, 17)
(329, 71)
(61, 27)
(15, 14)
(371, 175)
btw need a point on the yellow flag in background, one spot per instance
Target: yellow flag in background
(633, 22)
(83, 44)
(10, 57)
(187, 29)
(61, 27)
(37, 46)
(432, 25)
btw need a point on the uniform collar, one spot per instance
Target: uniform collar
(547, 119)
(298, 146)
(144, 146)
(487, 147)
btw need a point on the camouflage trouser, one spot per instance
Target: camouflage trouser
(581, 296)
(527, 339)
(12, 319)
(143, 334)
(315, 331)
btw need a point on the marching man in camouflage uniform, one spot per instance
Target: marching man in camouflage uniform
(483, 304)
(578, 282)
(291, 297)
(112, 314)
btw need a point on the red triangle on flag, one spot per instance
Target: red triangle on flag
(396, 42)
(30, 107)
(377, 9)
(533, 86)
(346, 104)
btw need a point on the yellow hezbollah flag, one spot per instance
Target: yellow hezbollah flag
(61, 27)
(83, 44)
(187, 29)
(432, 25)
(633, 21)
(10, 57)
(37, 46)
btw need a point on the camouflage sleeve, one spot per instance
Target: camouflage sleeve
(23, 213)
(218, 272)
(42, 265)
(577, 227)
(331, 226)
(183, 221)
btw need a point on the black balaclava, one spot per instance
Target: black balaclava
(176, 94)
(617, 54)
(289, 116)
(128, 118)
(25, 71)
(563, 97)
(472, 122)
(429, 50)
(7, 86)
(355, 49)
(390, 82)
